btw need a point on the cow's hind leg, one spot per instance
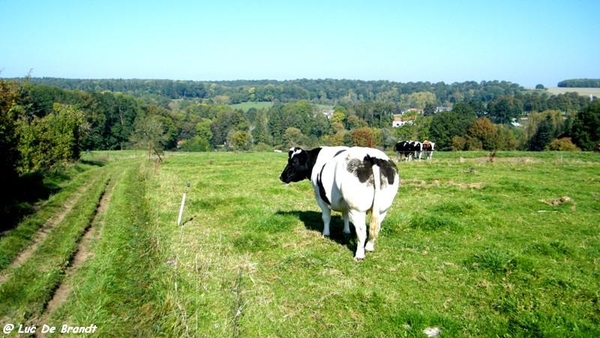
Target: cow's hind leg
(358, 219)
(374, 232)
(346, 223)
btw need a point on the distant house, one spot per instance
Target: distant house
(327, 112)
(442, 109)
(400, 121)
(413, 110)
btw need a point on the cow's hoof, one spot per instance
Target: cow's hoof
(326, 234)
(358, 259)
(370, 247)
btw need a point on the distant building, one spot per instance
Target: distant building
(327, 112)
(413, 110)
(400, 121)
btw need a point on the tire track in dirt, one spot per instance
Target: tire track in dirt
(81, 254)
(40, 236)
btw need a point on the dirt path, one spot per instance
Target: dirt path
(40, 236)
(81, 254)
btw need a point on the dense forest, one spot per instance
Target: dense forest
(322, 91)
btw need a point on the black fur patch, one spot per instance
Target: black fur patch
(388, 170)
(322, 188)
(363, 170)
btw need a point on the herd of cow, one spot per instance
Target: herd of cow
(409, 150)
(353, 181)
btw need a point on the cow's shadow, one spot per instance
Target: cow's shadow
(312, 221)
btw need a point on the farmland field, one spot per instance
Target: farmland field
(470, 248)
(581, 91)
(245, 106)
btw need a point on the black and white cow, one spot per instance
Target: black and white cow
(350, 180)
(408, 150)
(428, 149)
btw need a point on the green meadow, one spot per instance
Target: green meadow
(471, 247)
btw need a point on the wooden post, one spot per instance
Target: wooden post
(182, 204)
(181, 209)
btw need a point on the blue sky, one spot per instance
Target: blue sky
(525, 42)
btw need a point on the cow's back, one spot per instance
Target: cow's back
(349, 179)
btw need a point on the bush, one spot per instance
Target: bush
(563, 144)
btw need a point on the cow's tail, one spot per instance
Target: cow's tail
(374, 223)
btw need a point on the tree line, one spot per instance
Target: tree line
(580, 83)
(323, 91)
(104, 119)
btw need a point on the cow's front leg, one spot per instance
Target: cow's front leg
(326, 216)
(358, 219)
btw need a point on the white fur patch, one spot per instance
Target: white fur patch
(295, 152)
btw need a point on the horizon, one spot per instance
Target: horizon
(523, 43)
(284, 80)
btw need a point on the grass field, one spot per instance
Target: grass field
(581, 91)
(245, 106)
(470, 247)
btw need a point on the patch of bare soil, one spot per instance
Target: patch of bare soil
(80, 256)
(42, 233)
(500, 159)
(436, 183)
(558, 201)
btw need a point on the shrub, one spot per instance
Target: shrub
(563, 144)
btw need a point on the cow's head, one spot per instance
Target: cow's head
(297, 168)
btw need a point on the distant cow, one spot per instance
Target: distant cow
(428, 149)
(350, 180)
(408, 150)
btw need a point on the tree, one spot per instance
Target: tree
(52, 140)
(260, 132)
(355, 122)
(563, 144)
(586, 127)
(505, 138)
(320, 125)
(543, 135)
(241, 140)
(363, 137)
(429, 109)
(293, 137)
(504, 109)
(9, 93)
(534, 120)
(227, 120)
(485, 131)
(446, 125)
(339, 115)
(298, 115)
(121, 117)
(421, 99)
(149, 134)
